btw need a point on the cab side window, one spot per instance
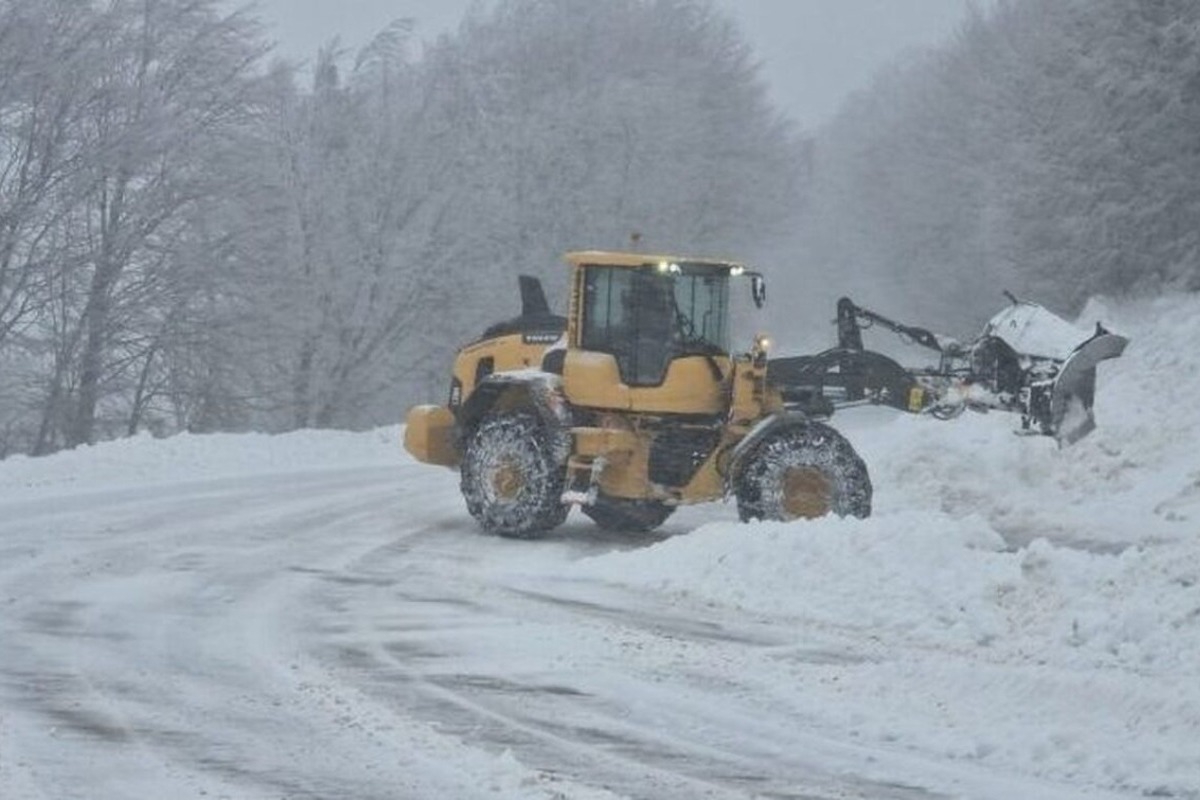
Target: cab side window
(604, 314)
(629, 313)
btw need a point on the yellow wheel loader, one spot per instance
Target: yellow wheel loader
(635, 403)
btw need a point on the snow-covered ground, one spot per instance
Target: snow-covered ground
(314, 615)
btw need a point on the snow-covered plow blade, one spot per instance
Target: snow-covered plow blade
(1050, 366)
(1074, 390)
(1027, 360)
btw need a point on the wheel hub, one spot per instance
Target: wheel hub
(807, 493)
(507, 480)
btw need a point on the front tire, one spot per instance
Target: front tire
(804, 471)
(510, 480)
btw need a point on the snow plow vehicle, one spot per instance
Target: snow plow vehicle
(635, 403)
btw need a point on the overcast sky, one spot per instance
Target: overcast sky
(814, 52)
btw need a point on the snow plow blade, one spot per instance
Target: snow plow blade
(1074, 390)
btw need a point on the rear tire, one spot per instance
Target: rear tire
(510, 480)
(628, 516)
(804, 471)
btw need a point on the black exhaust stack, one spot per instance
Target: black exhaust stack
(533, 297)
(537, 324)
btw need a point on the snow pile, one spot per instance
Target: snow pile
(931, 580)
(145, 461)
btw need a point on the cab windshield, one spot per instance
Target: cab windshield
(646, 317)
(702, 300)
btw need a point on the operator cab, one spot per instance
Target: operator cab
(647, 317)
(650, 333)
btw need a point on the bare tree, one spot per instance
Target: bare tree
(45, 50)
(175, 75)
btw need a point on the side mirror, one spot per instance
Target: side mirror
(758, 290)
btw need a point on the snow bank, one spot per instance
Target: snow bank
(146, 461)
(1071, 665)
(930, 580)
(1068, 664)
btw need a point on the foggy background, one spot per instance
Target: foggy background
(213, 220)
(813, 52)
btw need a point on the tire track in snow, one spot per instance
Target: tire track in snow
(408, 623)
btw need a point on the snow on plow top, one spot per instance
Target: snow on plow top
(1032, 330)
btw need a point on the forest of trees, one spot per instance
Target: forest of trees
(1052, 149)
(194, 236)
(197, 236)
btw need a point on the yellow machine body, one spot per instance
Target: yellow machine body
(592, 380)
(429, 436)
(618, 426)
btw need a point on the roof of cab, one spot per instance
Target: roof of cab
(613, 258)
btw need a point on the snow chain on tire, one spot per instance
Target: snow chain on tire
(510, 479)
(804, 470)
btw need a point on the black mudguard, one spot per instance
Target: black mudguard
(537, 391)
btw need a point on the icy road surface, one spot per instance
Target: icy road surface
(315, 616)
(303, 636)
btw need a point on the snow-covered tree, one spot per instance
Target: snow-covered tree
(109, 111)
(415, 191)
(189, 242)
(1048, 149)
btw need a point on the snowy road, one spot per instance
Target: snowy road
(316, 616)
(300, 637)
